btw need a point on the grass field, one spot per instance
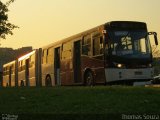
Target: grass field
(109, 102)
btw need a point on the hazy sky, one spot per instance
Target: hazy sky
(42, 22)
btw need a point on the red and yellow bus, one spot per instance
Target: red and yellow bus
(115, 52)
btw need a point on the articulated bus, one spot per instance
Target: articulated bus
(117, 51)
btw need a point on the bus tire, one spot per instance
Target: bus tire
(22, 83)
(88, 78)
(48, 81)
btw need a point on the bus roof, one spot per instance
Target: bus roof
(127, 24)
(79, 35)
(76, 36)
(9, 63)
(26, 55)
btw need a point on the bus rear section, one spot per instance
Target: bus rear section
(9, 74)
(28, 69)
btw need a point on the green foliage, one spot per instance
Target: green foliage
(5, 26)
(100, 102)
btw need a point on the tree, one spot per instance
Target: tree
(5, 26)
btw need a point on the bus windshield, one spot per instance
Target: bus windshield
(130, 44)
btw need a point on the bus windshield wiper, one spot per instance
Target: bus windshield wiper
(126, 36)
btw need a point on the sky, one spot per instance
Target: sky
(42, 22)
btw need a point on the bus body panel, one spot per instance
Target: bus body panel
(47, 69)
(66, 72)
(5, 81)
(21, 78)
(96, 66)
(32, 76)
(12, 80)
(113, 75)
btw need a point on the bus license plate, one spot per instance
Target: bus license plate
(138, 73)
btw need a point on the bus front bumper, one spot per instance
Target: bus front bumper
(115, 74)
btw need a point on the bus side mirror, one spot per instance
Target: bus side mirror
(155, 38)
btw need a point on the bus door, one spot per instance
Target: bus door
(57, 66)
(27, 72)
(77, 61)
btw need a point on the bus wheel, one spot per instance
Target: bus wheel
(89, 79)
(22, 83)
(48, 80)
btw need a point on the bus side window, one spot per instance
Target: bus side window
(12, 69)
(19, 66)
(101, 45)
(44, 56)
(7, 70)
(23, 65)
(4, 71)
(86, 45)
(50, 55)
(31, 60)
(97, 45)
(67, 52)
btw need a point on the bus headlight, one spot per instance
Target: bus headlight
(149, 65)
(119, 65)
